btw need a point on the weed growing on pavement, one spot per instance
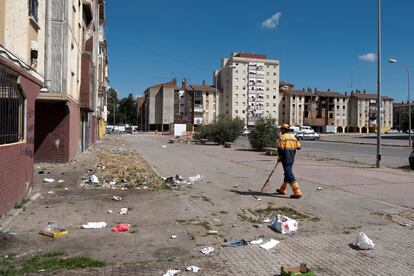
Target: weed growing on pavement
(21, 203)
(204, 224)
(46, 261)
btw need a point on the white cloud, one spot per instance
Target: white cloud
(272, 22)
(370, 57)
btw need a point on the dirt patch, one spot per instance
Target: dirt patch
(257, 216)
(124, 170)
(406, 216)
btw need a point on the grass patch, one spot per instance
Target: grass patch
(21, 203)
(204, 224)
(286, 211)
(46, 261)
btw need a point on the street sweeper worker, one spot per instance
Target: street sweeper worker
(287, 145)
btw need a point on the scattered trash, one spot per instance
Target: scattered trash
(61, 181)
(171, 272)
(363, 242)
(270, 244)
(319, 188)
(404, 224)
(120, 228)
(41, 172)
(173, 236)
(212, 232)
(256, 225)
(117, 198)
(50, 192)
(49, 180)
(259, 198)
(53, 231)
(195, 179)
(284, 225)
(207, 250)
(93, 179)
(66, 189)
(259, 241)
(267, 220)
(94, 225)
(110, 212)
(164, 146)
(123, 211)
(193, 268)
(235, 243)
(302, 269)
(113, 182)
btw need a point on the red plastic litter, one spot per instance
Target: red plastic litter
(121, 228)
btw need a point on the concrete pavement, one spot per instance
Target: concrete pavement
(336, 214)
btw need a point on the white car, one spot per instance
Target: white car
(307, 136)
(392, 131)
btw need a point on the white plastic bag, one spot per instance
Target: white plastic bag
(363, 242)
(284, 224)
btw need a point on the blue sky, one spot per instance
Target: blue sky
(318, 43)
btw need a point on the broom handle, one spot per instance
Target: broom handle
(277, 163)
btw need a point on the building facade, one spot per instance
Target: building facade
(363, 113)
(22, 36)
(250, 87)
(73, 77)
(159, 106)
(400, 116)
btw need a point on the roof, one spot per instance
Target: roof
(248, 55)
(203, 88)
(171, 84)
(369, 96)
(298, 93)
(331, 94)
(283, 83)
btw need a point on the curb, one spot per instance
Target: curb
(15, 212)
(362, 143)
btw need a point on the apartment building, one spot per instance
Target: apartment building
(292, 106)
(140, 112)
(250, 85)
(71, 81)
(363, 112)
(159, 106)
(22, 36)
(400, 115)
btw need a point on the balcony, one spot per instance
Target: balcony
(86, 97)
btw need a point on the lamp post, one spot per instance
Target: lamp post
(378, 163)
(391, 60)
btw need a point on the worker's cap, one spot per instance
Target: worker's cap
(284, 126)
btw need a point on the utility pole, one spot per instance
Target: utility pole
(378, 163)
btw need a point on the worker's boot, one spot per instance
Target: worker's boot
(282, 189)
(297, 193)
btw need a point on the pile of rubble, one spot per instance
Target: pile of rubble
(122, 170)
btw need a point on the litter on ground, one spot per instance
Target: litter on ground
(173, 236)
(49, 180)
(235, 243)
(110, 212)
(50, 192)
(319, 188)
(270, 244)
(284, 224)
(123, 211)
(117, 198)
(267, 220)
(207, 250)
(363, 242)
(164, 146)
(94, 179)
(94, 225)
(120, 228)
(259, 241)
(61, 181)
(171, 272)
(193, 268)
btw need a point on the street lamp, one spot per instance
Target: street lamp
(391, 60)
(378, 163)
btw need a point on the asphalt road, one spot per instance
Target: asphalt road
(392, 157)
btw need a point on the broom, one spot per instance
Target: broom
(266, 184)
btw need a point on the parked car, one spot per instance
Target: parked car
(412, 131)
(128, 130)
(392, 131)
(307, 136)
(246, 132)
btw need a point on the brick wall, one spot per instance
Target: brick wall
(16, 160)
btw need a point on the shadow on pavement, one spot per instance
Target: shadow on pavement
(254, 194)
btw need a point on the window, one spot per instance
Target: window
(236, 79)
(274, 74)
(274, 97)
(198, 102)
(12, 111)
(33, 9)
(198, 94)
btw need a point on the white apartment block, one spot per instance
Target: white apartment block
(363, 112)
(250, 85)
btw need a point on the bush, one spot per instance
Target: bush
(264, 134)
(223, 130)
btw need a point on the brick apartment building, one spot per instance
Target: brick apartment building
(21, 77)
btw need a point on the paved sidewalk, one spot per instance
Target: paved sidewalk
(336, 213)
(398, 140)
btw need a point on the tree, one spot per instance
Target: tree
(263, 134)
(127, 107)
(223, 130)
(112, 101)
